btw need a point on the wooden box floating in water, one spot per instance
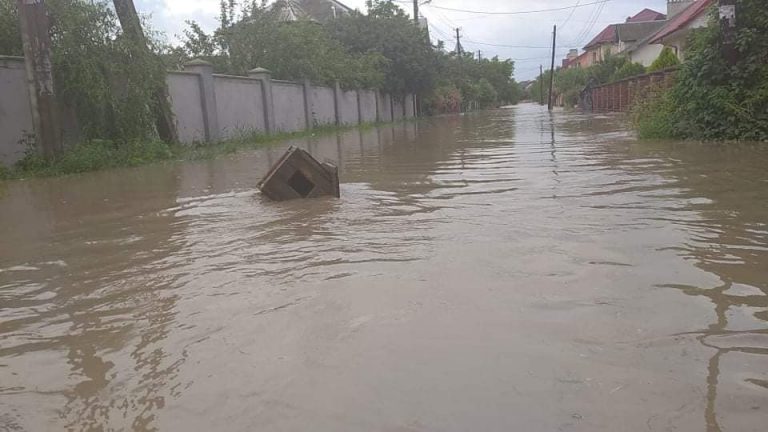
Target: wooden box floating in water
(298, 175)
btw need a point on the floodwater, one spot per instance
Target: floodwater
(501, 271)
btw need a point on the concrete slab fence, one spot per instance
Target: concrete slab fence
(225, 106)
(212, 107)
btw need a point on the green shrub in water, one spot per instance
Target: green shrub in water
(95, 155)
(655, 117)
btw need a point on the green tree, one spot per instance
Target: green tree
(486, 94)
(499, 73)
(542, 82)
(291, 50)
(666, 59)
(570, 83)
(10, 35)
(387, 31)
(712, 99)
(603, 71)
(97, 75)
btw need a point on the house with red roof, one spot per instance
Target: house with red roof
(615, 38)
(642, 36)
(684, 16)
(646, 15)
(675, 32)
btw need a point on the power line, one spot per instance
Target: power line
(562, 26)
(506, 46)
(516, 12)
(587, 30)
(515, 46)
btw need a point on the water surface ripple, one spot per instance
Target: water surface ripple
(506, 270)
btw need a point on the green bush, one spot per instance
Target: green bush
(627, 70)
(666, 59)
(711, 99)
(444, 99)
(95, 155)
(655, 117)
(10, 40)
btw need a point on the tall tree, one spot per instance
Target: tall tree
(131, 24)
(36, 40)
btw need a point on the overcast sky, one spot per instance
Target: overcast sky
(525, 36)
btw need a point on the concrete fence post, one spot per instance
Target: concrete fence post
(359, 108)
(207, 97)
(337, 102)
(265, 76)
(308, 104)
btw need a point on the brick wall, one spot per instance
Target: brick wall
(622, 95)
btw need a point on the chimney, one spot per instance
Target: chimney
(674, 7)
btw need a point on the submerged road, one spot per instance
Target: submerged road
(500, 271)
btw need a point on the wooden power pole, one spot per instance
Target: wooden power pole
(36, 39)
(416, 11)
(161, 106)
(458, 41)
(552, 71)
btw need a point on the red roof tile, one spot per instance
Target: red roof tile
(608, 35)
(647, 15)
(680, 20)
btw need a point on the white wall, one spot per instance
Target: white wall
(239, 103)
(646, 54)
(323, 111)
(15, 113)
(288, 99)
(184, 90)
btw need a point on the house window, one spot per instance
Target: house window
(594, 56)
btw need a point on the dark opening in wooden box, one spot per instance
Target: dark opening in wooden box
(298, 175)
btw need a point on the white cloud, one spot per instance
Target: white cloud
(183, 8)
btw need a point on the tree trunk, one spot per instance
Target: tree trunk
(161, 106)
(35, 28)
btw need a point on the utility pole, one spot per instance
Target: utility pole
(131, 25)
(416, 11)
(541, 85)
(727, 9)
(36, 39)
(479, 56)
(552, 71)
(458, 41)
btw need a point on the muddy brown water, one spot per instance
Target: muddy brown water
(503, 271)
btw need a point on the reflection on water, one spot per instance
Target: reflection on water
(510, 267)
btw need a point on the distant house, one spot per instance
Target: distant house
(642, 37)
(616, 38)
(575, 60)
(311, 10)
(570, 59)
(675, 32)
